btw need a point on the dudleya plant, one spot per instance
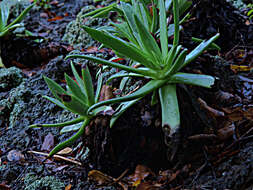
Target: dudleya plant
(5, 7)
(78, 97)
(5, 28)
(161, 64)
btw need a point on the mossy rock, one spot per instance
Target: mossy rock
(75, 35)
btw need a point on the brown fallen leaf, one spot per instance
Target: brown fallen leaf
(66, 150)
(15, 155)
(240, 68)
(48, 142)
(100, 178)
(226, 132)
(55, 18)
(210, 110)
(106, 93)
(4, 187)
(68, 187)
(57, 156)
(140, 173)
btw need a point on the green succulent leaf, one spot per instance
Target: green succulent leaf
(56, 101)
(178, 63)
(99, 87)
(98, 13)
(170, 110)
(125, 32)
(129, 16)
(54, 87)
(87, 80)
(113, 64)
(193, 79)
(121, 109)
(72, 122)
(70, 128)
(75, 89)
(74, 104)
(146, 89)
(163, 29)
(80, 82)
(21, 16)
(4, 14)
(154, 19)
(120, 46)
(212, 45)
(122, 74)
(199, 49)
(71, 140)
(148, 42)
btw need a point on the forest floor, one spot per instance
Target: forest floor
(214, 148)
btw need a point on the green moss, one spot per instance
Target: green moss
(33, 182)
(239, 4)
(10, 78)
(75, 35)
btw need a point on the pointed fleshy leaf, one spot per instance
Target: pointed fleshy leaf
(154, 19)
(75, 89)
(212, 45)
(54, 87)
(199, 49)
(148, 41)
(99, 87)
(87, 80)
(75, 121)
(79, 81)
(126, 32)
(74, 105)
(170, 110)
(193, 79)
(163, 28)
(21, 16)
(70, 128)
(120, 46)
(129, 16)
(98, 11)
(146, 89)
(178, 63)
(4, 14)
(122, 74)
(56, 101)
(121, 109)
(113, 64)
(71, 140)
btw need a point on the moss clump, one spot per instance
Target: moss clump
(75, 35)
(10, 78)
(33, 182)
(239, 4)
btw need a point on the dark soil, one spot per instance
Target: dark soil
(218, 161)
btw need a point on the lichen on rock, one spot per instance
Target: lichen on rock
(75, 35)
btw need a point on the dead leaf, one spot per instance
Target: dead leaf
(240, 68)
(55, 18)
(4, 187)
(226, 132)
(140, 173)
(72, 160)
(60, 168)
(15, 155)
(106, 93)
(66, 150)
(48, 142)
(210, 110)
(68, 187)
(100, 178)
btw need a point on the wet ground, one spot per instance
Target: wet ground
(213, 151)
